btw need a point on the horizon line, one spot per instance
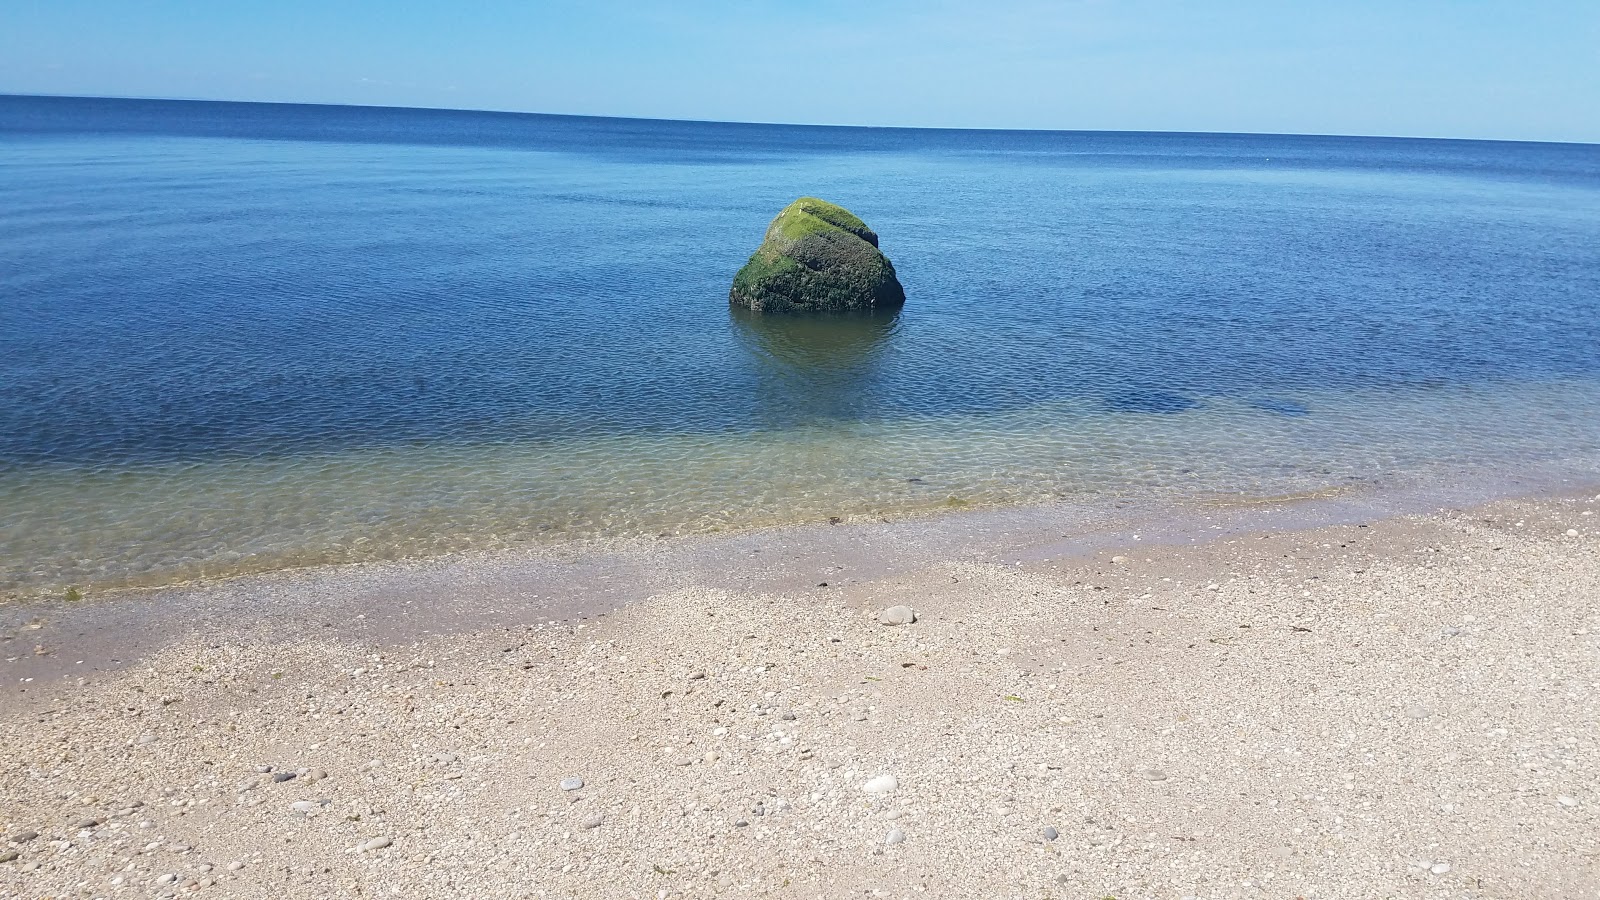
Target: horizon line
(736, 122)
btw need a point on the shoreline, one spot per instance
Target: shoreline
(576, 581)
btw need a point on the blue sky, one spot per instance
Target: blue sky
(1516, 70)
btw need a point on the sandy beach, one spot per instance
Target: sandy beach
(1314, 699)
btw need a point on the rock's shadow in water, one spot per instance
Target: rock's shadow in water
(812, 366)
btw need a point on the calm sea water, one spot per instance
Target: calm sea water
(236, 337)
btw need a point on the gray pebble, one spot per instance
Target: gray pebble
(22, 837)
(572, 784)
(1050, 833)
(1155, 774)
(741, 823)
(236, 866)
(86, 823)
(895, 836)
(8, 856)
(897, 615)
(281, 777)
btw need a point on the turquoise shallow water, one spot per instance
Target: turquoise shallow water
(237, 337)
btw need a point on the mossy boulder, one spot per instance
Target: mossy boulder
(817, 256)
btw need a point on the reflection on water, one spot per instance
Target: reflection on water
(813, 366)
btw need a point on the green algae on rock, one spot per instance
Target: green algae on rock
(817, 256)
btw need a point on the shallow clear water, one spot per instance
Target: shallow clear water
(235, 337)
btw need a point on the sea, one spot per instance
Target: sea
(243, 337)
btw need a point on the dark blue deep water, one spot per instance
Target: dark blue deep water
(241, 336)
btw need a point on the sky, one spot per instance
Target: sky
(1505, 70)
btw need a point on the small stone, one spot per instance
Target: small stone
(147, 739)
(306, 807)
(1567, 800)
(1154, 774)
(696, 676)
(22, 837)
(1119, 560)
(592, 823)
(572, 784)
(712, 756)
(897, 615)
(9, 856)
(167, 879)
(377, 843)
(1050, 833)
(236, 866)
(895, 836)
(281, 777)
(741, 823)
(316, 775)
(1572, 532)
(883, 784)
(1439, 868)
(86, 823)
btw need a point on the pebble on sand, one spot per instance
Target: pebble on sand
(897, 615)
(572, 784)
(377, 843)
(883, 784)
(895, 836)
(1050, 833)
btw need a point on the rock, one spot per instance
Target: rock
(22, 837)
(1572, 532)
(572, 784)
(592, 823)
(236, 866)
(9, 856)
(897, 615)
(1439, 868)
(1567, 800)
(883, 784)
(1154, 774)
(895, 836)
(377, 843)
(1050, 833)
(817, 256)
(281, 777)
(1119, 560)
